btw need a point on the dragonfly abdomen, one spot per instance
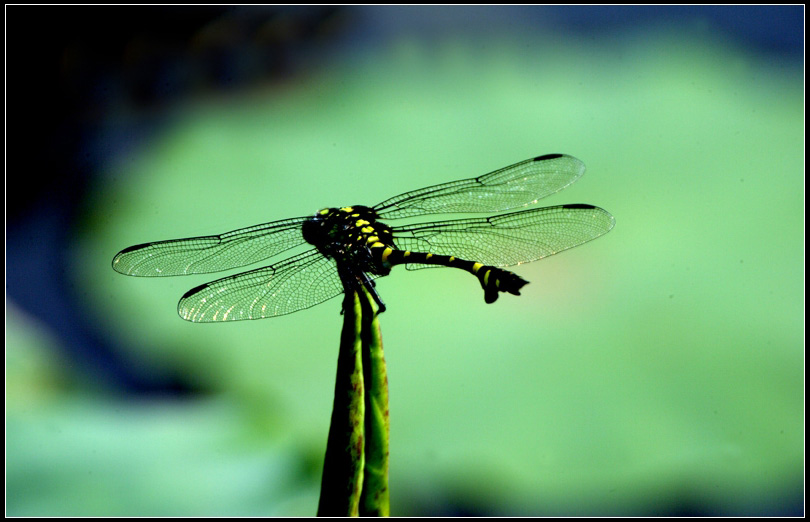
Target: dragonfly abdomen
(493, 279)
(356, 239)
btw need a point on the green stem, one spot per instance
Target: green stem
(355, 473)
(374, 499)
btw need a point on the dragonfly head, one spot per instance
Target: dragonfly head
(316, 229)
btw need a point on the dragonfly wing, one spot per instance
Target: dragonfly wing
(202, 255)
(515, 186)
(296, 283)
(508, 239)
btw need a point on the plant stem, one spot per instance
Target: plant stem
(355, 473)
(374, 498)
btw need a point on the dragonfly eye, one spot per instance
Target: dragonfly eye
(314, 229)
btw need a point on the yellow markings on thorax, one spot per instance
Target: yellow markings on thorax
(386, 253)
(476, 267)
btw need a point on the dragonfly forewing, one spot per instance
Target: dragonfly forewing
(511, 187)
(206, 254)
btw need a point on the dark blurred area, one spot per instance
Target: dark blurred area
(73, 71)
(88, 83)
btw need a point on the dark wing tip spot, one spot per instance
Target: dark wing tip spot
(194, 291)
(132, 249)
(548, 157)
(579, 205)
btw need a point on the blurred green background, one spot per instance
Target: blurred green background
(655, 371)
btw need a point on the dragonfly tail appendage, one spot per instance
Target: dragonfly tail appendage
(495, 280)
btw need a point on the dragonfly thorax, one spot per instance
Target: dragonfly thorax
(347, 234)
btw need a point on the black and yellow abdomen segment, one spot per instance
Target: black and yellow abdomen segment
(355, 238)
(493, 279)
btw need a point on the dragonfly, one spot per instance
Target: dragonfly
(352, 246)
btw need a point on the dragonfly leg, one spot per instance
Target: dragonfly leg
(356, 280)
(371, 286)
